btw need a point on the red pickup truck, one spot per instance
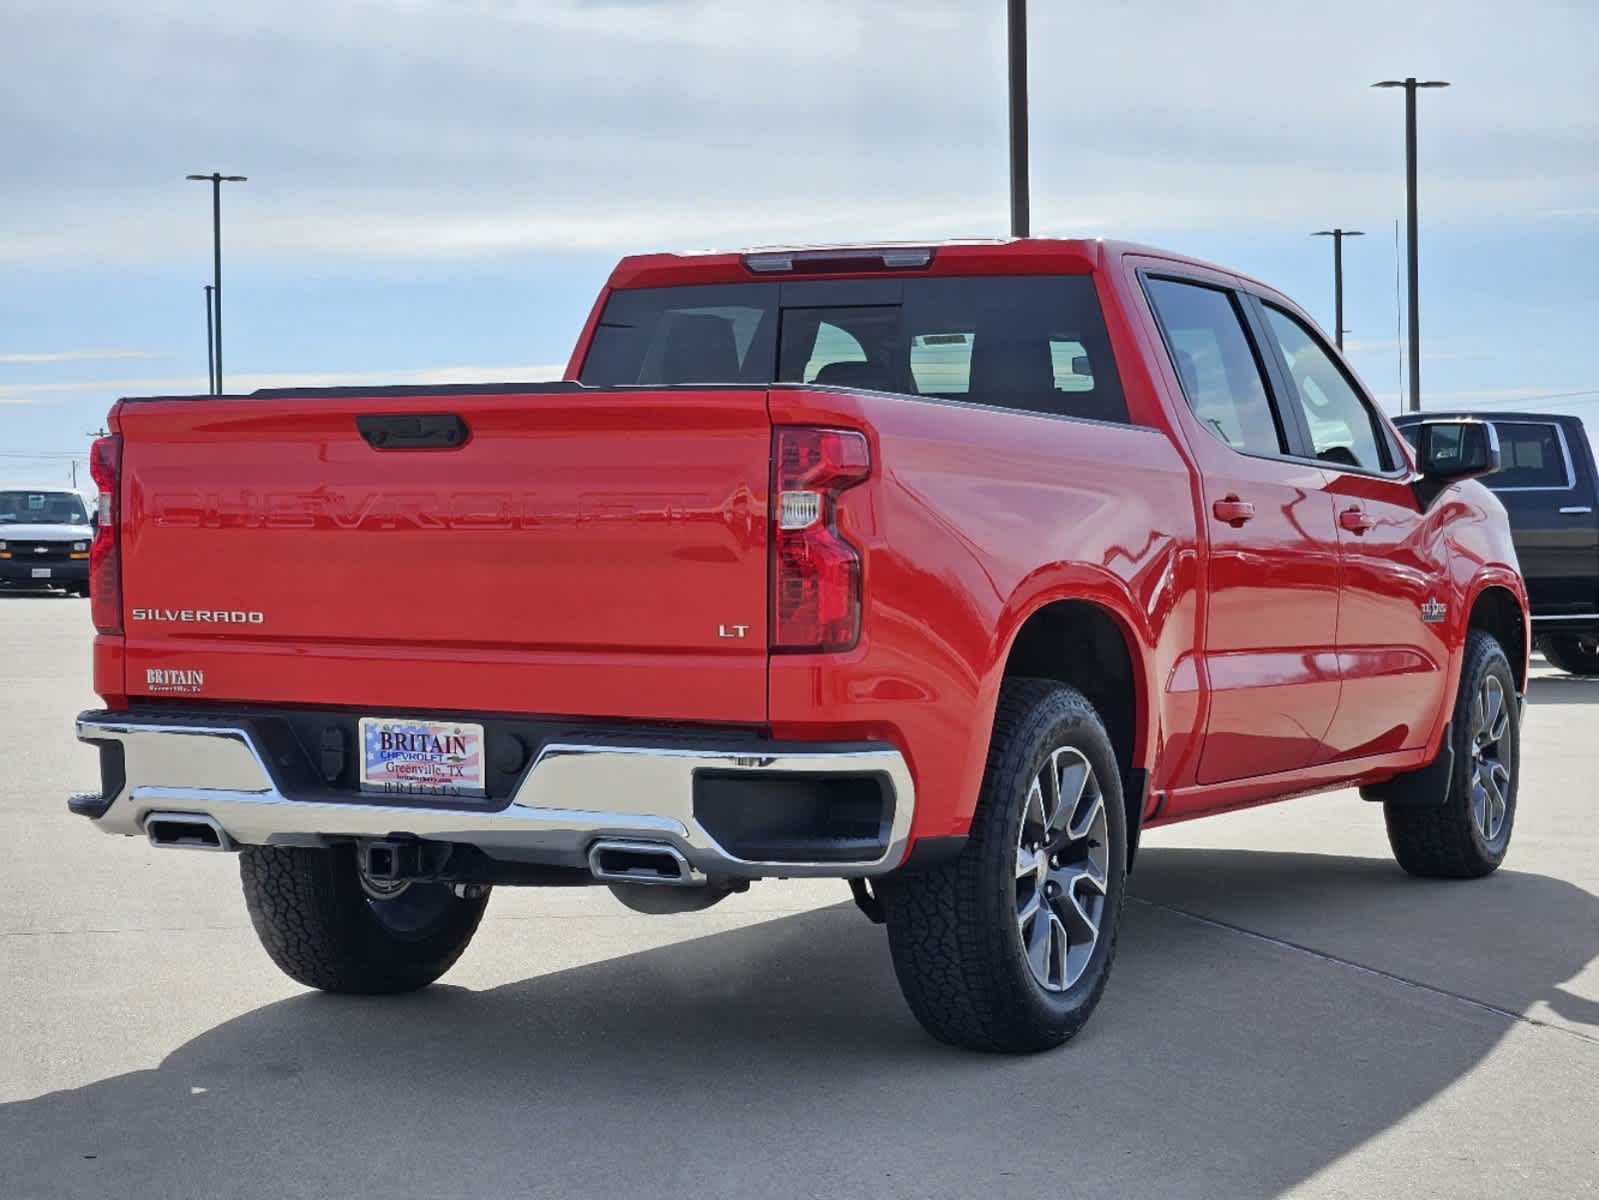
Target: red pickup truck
(944, 570)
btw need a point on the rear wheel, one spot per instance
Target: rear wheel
(1573, 653)
(1008, 947)
(328, 927)
(1467, 836)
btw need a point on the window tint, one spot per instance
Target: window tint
(42, 508)
(662, 336)
(942, 363)
(1530, 455)
(1343, 429)
(1028, 344)
(841, 347)
(834, 345)
(1216, 365)
(1073, 366)
(1036, 343)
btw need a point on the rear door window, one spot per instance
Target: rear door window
(1216, 364)
(1531, 455)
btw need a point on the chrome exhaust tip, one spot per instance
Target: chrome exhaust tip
(186, 831)
(642, 862)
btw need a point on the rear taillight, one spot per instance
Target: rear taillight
(105, 558)
(816, 574)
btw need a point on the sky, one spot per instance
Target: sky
(437, 188)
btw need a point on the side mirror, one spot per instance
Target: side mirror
(1450, 451)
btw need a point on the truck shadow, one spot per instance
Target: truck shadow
(778, 1059)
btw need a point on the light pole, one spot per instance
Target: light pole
(1020, 217)
(1410, 84)
(210, 345)
(1338, 236)
(216, 182)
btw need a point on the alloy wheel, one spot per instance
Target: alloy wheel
(1490, 749)
(1062, 865)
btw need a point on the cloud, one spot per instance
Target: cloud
(56, 356)
(469, 129)
(405, 232)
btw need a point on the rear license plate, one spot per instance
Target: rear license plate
(403, 756)
(41, 572)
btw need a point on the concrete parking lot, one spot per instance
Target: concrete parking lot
(1289, 1015)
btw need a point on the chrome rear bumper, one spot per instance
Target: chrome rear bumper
(572, 795)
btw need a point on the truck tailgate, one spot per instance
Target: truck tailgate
(586, 553)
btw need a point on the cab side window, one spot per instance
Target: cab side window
(1530, 456)
(1344, 431)
(1213, 358)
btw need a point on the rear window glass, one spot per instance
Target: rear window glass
(1530, 455)
(941, 363)
(663, 336)
(1035, 343)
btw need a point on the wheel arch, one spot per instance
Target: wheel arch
(1092, 647)
(1497, 610)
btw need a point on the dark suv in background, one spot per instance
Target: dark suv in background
(1546, 481)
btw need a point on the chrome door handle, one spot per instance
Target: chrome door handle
(1576, 510)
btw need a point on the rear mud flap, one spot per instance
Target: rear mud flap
(1425, 787)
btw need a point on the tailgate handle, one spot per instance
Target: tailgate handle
(412, 431)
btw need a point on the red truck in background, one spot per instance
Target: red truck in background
(941, 569)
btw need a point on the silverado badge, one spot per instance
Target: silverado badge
(1433, 611)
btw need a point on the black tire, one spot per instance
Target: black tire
(1573, 653)
(322, 929)
(954, 929)
(1447, 841)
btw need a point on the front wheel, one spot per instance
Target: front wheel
(1467, 836)
(1008, 947)
(1573, 653)
(327, 927)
